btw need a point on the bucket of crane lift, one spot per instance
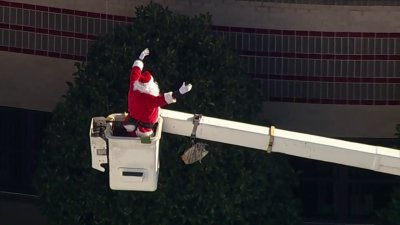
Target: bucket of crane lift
(98, 144)
(133, 162)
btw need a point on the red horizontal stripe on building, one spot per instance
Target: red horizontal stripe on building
(120, 18)
(393, 102)
(341, 34)
(67, 34)
(15, 49)
(93, 14)
(328, 34)
(55, 32)
(248, 30)
(47, 31)
(67, 56)
(65, 11)
(47, 9)
(4, 25)
(4, 3)
(301, 33)
(355, 34)
(42, 53)
(235, 29)
(16, 4)
(28, 51)
(288, 32)
(28, 29)
(306, 33)
(15, 27)
(335, 101)
(81, 36)
(381, 80)
(53, 10)
(315, 33)
(394, 35)
(68, 11)
(318, 55)
(42, 30)
(54, 54)
(81, 13)
(275, 31)
(28, 6)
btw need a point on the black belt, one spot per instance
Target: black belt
(140, 123)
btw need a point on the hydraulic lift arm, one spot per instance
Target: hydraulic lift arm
(380, 159)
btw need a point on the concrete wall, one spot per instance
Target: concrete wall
(33, 82)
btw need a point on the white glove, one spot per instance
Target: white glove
(185, 88)
(144, 53)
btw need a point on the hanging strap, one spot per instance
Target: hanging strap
(198, 150)
(196, 122)
(271, 139)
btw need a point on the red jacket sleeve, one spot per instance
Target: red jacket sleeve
(160, 101)
(156, 101)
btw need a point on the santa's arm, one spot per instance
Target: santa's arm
(169, 97)
(161, 100)
(137, 67)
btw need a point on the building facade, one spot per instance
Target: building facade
(326, 67)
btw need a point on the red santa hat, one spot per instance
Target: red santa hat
(145, 77)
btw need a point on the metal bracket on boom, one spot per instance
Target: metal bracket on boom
(196, 122)
(271, 139)
(198, 150)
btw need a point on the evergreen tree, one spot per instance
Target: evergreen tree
(232, 185)
(390, 215)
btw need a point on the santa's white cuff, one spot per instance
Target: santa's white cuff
(138, 63)
(169, 98)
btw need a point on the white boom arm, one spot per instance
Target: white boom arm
(364, 156)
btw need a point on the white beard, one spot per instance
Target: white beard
(150, 88)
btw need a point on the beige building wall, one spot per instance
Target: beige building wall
(33, 82)
(256, 14)
(36, 82)
(356, 121)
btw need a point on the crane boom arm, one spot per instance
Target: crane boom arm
(380, 159)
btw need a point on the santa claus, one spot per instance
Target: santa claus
(144, 99)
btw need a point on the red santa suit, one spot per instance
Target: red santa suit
(144, 101)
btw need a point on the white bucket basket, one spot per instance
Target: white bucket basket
(133, 165)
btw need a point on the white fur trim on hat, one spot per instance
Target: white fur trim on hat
(150, 88)
(139, 64)
(169, 98)
(144, 134)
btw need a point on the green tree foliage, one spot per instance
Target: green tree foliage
(232, 185)
(390, 215)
